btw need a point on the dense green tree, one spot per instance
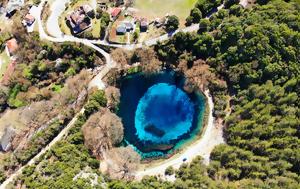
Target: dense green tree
(195, 16)
(172, 23)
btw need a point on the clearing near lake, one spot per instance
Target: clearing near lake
(159, 8)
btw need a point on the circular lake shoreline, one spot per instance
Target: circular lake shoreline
(133, 89)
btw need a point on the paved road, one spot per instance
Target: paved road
(57, 8)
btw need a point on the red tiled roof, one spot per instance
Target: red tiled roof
(29, 19)
(115, 12)
(12, 45)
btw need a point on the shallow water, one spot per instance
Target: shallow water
(158, 116)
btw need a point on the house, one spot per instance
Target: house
(115, 12)
(88, 10)
(11, 46)
(79, 19)
(143, 25)
(129, 26)
(29, 20)
(121, 30)
(103, 6)
(119, 2)
(159, 22)
(13, 6)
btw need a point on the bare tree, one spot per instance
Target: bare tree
(124, 161)
(120, 56)
(102, 131)
(198, 76)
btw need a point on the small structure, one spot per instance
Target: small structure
(11, 46)
(103, 6)
(121, 30)
(88, 10)
(128, 26)
(115, 12)
(13, 6)
(119, 2)
(158, 22)
(143, 25)
(28, 20)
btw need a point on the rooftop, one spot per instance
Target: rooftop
(12, 45)
(115, 12)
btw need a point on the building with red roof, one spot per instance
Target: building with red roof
(115, 12)
(12, 46)
(29, 19)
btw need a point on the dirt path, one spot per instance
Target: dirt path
(212, 137)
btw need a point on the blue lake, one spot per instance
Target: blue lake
(157, 114)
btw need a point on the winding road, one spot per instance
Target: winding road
(212, 135)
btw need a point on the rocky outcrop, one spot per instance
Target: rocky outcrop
(113, 97)
(6, 138)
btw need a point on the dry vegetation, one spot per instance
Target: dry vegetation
(102, 131)
(113, 98)
(124, 161)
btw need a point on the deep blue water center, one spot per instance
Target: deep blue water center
(164, 113)
(157, 114)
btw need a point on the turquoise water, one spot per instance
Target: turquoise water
(163, 114)
(157, 114)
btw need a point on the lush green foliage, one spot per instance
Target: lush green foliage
(203, 8)
(172, 23)
(264, 132)
(257, 52)
(96, 100)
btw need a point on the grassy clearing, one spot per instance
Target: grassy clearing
(96, 28)
(5, 62)
(181, 8)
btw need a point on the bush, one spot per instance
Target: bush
(169, 171)
(172, 23)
